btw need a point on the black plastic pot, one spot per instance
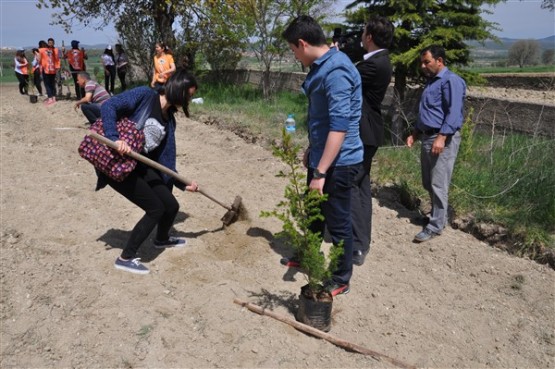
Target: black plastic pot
(33, 99)
(315, 313)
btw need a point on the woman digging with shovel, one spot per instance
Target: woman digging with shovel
(153, 112)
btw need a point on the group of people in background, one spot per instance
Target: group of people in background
(46, 68)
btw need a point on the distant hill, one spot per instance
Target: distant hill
(506, 43)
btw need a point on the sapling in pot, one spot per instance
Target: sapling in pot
(297, 211)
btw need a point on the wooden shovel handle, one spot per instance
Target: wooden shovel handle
(153, 164)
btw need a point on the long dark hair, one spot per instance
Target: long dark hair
(164, 47)
(177, 88)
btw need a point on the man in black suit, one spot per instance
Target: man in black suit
(375, 71)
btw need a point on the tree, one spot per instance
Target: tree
(548, 4)
(99, 13)
(156, 18)
(266, 22)
(548, 56)
(524, 52)
(420, 23)
(137, 36)
(223, 31)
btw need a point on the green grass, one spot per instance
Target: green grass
(508, 180)
(243, 108)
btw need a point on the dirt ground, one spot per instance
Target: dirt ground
(451, 302)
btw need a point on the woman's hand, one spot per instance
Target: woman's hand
(123, 147)
(193, 187)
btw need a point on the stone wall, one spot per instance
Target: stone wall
(505, 114)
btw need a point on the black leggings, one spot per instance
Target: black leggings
(145, 188)
(23, 82)
(37, 80)
(109, 78)
(121, 76)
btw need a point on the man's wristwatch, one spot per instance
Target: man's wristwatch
(318, 175)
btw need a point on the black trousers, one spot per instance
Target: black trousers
(79, 91)
(110, 78)
(23, 82)
(121, 76)
(37, 80)
(361, 203)
(50, 84)
(145, 188)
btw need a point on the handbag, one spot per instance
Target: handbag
(108, 160)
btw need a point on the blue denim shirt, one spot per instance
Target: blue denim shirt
(334, 93)
(442, 103)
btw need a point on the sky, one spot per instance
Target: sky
(23, 24)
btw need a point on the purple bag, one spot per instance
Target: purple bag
(108, 160)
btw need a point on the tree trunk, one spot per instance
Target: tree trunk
(266, 83)
(398, 122)
(164, 16)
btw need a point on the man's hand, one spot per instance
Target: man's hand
(439, 144)
(410, 140)
(317, 184)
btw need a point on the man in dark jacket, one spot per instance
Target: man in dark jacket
(375, 71)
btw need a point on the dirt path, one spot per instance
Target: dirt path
(452, 302)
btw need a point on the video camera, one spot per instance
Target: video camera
(349, 43)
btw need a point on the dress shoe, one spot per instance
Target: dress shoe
(425, 235)
(358, 257)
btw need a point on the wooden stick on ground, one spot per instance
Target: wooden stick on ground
(328, 337)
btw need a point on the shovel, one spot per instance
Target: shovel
(232, 211)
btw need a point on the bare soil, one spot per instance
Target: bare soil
(451, 302)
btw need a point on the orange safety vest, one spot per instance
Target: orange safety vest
(49, 60)
(24, 67)
(76, 59)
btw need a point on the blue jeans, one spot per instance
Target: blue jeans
(337, 213)
(91, 111)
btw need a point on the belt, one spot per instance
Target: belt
(431, 131)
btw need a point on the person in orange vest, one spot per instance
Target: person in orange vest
(76, 58)
(21, 65)
(164, 66)
(50, 64)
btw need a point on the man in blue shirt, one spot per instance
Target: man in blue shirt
(334, 155)
(440, 118)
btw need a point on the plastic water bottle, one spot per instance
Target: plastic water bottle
(290, 124)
